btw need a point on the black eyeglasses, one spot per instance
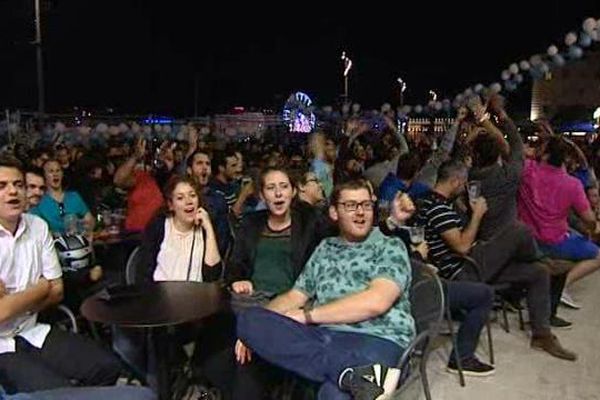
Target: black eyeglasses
(352, 206)
(61, 209)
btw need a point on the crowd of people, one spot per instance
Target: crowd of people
(311, 235)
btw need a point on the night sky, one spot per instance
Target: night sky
(144, 56)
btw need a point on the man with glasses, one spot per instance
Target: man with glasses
(359, 321)
(310, 189)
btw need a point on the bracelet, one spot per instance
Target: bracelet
(307, 317)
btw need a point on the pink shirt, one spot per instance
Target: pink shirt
(546, 195)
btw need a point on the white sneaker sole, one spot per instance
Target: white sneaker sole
(390, 384)
(472, 373)
(570, 304)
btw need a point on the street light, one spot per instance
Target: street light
(347, 67)
(402, 89)
(433, 95)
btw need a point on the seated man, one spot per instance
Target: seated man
(471, 300)
(360, 321)
(35, 356)
(546, 196)
(449, 239)
(36, 187)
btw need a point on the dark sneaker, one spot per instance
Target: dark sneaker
(371, 382)
(559, 323)
(550, 344)
(471, 367)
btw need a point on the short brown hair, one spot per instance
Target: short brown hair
(354, 184)
(9, 161)
(176, 180)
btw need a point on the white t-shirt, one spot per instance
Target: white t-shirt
(24, 259)
(173, 257)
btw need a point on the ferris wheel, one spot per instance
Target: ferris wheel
(298, 113)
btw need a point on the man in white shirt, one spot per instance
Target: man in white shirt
(34, 356)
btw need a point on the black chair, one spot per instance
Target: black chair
(504, 293)
(428, 307)
(60, 316)
(131, 268)
(500, 291)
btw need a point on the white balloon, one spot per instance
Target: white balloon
(135, 128)
(13, 128)
(535, 60)
(384, 107)
(513, 68)
(84, 130)
(345, 108)
(418, 109)
(478, 88)
(327, 109)
(524, 65)
(102, 127)
(552, 50)
(437, 105)
(157, 128)
(496, 87)
(406, 109)
(505, 75)
(60, 127)
(468, 92)
(459, 97)
(113, 130)
(123, 127)
(519, 78)
(589, 24)
(570, 38)
(356, 107)
(575, 52)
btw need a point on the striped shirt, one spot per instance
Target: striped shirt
(436, 213)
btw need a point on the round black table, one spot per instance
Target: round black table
(156, 306)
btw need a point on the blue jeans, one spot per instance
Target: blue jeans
(474, 301)
(89, 393)
(315, 353)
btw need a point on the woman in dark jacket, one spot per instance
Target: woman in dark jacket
(270, 250)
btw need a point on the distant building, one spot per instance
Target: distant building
(574, 86)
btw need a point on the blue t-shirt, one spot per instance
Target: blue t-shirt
(53, 213)
(324, 174)
(392, 184)
(338, 268)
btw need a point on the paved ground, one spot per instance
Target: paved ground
(525, 374)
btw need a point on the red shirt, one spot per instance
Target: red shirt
(143, 201)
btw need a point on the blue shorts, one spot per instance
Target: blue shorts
(574, 247)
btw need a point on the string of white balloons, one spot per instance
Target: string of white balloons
(537, 66)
